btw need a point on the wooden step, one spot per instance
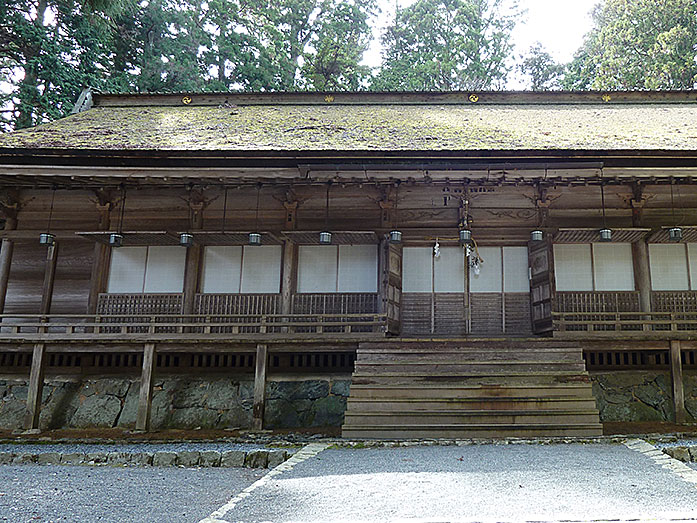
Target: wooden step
(446, 391)
(469, 356)
(458, 388)
(469, 368)
(474, 431)
(452, 417)
(389, 405)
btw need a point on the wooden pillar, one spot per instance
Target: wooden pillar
(197, 204)
(6, 251)
(676, 380)
(260, 387)
(38, 363)
(642, 278)
(49, 278)
(146, 389)
(289, 275)
(102, 255)
(36, 387)
(191, 277)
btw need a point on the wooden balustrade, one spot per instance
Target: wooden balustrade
(625, 322)
(178, 325)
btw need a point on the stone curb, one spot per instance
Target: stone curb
(685, 454)
(187, 458)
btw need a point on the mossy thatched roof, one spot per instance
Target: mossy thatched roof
(370, 127)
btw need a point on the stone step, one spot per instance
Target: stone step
(390, 405)
(445, 391)
(468, 417)
(474, 431)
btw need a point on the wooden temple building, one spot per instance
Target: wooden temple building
(467, 256)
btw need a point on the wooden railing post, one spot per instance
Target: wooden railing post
(49, 278)
(260, 387)
(677, 382)
(36, 387)
(146, 389)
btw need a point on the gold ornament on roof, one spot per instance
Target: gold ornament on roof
(186, 100)
(329, 98)
(607, 98)
(474, 98)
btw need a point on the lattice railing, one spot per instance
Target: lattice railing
(335, 303)
(597, 301)
(170, 303)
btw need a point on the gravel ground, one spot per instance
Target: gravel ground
(483, 482)
(676, 443)
(87, 494)
(124, 447)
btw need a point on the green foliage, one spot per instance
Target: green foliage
(447, 45)
(638, 44)
(51, 49)
(540, 69)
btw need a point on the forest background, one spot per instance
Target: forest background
(50, 50)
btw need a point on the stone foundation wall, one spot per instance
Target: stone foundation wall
(641, 395)
(178, 402)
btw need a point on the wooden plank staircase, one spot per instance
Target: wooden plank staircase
(470, 389)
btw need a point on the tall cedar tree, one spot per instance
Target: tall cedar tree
(447, 45)
(638, 44)
(51, 49)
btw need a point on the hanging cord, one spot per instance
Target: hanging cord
(395, 219)
(326, 208)
(672, 203)
(123, 208)
(602, 198)
(50, 211)
(256, 215)
(222, 226)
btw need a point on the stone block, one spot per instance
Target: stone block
(257, 459)
(97, 411)
(679, 453)
(328, 412)
(210, 458)
(127, 418)
(188, 458)
(341, 388)
(48, 458)
(73, 458)
(693, 453)
(233, 458)
(97, 458)
(276, 457)
(112, 386)
(118, 458)
(297, 390)
(23, 458)
(142, 458)
(6, 458)
(164, 459)
(192, 417)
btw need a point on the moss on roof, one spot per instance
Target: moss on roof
(648, 126)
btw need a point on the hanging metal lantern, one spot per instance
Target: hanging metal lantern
(46, 238)
(465, 236)
(325, 238)
(536, 235)
(186, 239)
(116, 239)
(605, 235)
(254, 238)
(396, 236)
(675, 234)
